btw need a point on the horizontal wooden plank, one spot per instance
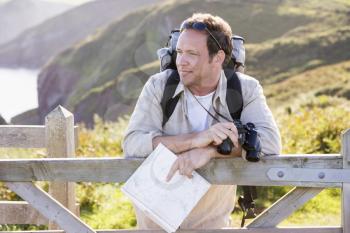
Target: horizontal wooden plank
(26, 136)
(244, 230)
(49, 207)
(218, 171)
(20, 212)
(20, 136)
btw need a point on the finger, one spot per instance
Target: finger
(228, 125)
(219, 133)
(227, 132)
(181, 165)
(234, 138)
(235, 142)
(217, 140)
(234, 130)
(188, 168)
(172, 171)
(231, 132)
(188, 171)
(219, 130)
(190, 175)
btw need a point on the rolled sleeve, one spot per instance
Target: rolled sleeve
(145, 122)
(256, 110)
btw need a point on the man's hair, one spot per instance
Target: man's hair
(220, 29)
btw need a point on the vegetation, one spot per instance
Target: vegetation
(314, 127)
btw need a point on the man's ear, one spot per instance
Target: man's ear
(220, 57)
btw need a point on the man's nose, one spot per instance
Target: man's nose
(181, 60)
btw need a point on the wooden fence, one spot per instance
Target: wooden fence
(308, 173)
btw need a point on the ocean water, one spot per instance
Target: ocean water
(18, 91)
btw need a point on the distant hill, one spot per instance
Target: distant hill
(19, 15)
(29, 117)
(34, 47)
(329, 80)
(285, 38)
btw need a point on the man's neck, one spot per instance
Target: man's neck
(201, 91)
(206, 87)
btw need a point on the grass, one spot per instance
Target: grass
(322, 210)
(312, 125)
(330, 80)
(103, 206)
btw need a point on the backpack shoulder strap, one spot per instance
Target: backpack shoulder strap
(233, 95)
(234, 98)
(168, 103)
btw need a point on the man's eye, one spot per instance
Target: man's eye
(193, 54)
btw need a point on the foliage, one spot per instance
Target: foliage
(311, 113)
(315, 128)
(103, 206)
(322, 210)
(104, 140)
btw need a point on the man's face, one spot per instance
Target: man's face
(192, 61)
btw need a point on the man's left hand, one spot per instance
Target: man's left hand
(190, 160)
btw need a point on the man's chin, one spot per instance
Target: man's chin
(186, 80)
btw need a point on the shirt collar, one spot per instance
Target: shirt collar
(221, 89)
(180, 88)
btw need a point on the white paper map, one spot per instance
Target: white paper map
(166, 203)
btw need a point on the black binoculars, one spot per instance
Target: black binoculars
(247, 138)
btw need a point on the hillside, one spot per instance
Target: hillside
(18, 15)
(330, 80)
(34, 47)
(292, 38)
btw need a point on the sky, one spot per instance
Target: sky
(72, 2)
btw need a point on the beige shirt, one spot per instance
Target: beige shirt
(214, 209)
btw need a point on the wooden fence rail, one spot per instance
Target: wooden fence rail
(220, 171)
(309, 173)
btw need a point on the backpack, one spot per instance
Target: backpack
(234, 100)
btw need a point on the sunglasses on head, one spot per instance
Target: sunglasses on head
(199, 26)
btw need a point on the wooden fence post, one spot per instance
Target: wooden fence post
(345, 151)
(60, 144)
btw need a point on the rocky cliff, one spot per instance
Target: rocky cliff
(2, 121)
(104, 74)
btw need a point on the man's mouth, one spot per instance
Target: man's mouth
(185, 71)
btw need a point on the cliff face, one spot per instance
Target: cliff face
(34, 47)
(2, 121)
(54, 90)
(104, 74)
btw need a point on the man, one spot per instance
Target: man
(203, 47)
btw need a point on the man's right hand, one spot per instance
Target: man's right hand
(216, 134)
